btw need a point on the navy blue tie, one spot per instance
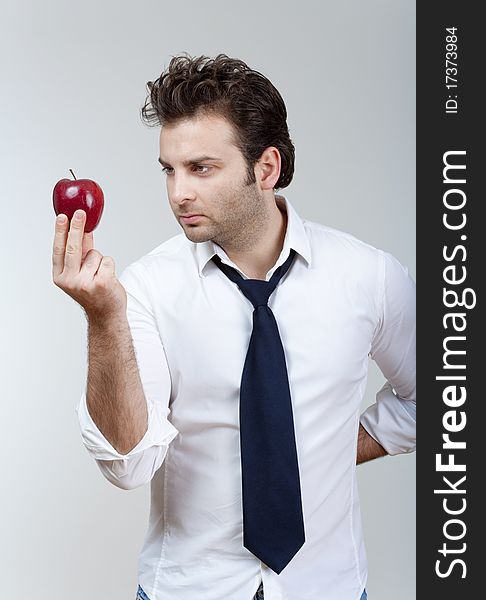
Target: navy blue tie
(273, 523)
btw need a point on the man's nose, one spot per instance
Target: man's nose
(181, 189)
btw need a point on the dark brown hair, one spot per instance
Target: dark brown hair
(226, 87)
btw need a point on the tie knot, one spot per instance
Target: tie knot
(256, 290)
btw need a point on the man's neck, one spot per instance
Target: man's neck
(256, 263)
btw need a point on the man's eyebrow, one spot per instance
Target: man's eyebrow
(192, 161)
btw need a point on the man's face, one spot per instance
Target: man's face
(207, 176)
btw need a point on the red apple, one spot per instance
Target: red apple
(85, 194)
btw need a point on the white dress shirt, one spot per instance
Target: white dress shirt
(341, 302)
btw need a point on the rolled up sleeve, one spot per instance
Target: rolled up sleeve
(128, 471)
(391, 420)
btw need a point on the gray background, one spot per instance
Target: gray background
(73, 81)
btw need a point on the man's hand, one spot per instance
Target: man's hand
(84, 273)
(368, 447)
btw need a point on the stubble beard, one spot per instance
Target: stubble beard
(242, 219)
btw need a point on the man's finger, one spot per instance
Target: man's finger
(91, 265)
(88, 244)
(107, 266)
(74, 245)
(59, 245)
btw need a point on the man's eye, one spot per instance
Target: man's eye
(199, 168)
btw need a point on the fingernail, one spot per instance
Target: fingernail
(78, 215)
(61, 218)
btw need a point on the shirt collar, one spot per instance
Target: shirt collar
(295, 237)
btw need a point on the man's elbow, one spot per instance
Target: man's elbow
(127, 481)
(134, 471)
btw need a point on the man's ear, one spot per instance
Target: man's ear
(267, 169)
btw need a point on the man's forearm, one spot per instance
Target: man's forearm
(114, 396)
(368, 447)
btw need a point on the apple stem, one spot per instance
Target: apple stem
(73, 173)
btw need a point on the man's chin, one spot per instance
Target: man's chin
(197, 235)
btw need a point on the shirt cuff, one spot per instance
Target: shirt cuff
(160, 432)
(391, 422)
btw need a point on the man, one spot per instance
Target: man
(227, 366)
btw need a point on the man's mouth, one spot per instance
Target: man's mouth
(192, 218)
